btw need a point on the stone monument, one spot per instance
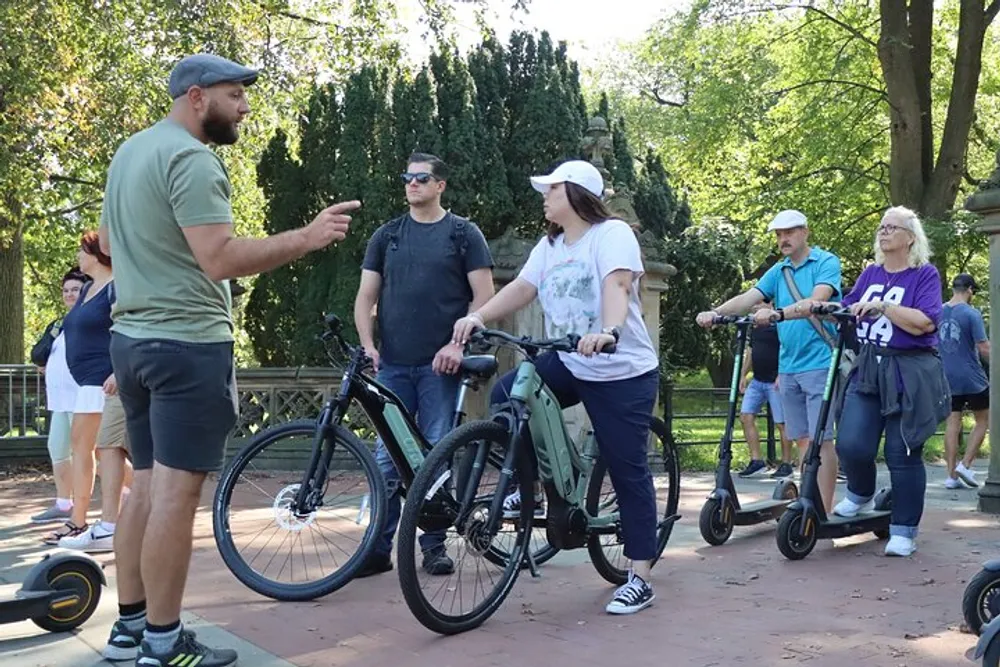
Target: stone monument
(985, 203)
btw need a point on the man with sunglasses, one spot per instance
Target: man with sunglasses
(964, 346)
(425, 270)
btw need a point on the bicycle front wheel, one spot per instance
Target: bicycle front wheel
(447, 511)
(607, 550)
(293, 556)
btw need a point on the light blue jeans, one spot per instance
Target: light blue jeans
(431, 398)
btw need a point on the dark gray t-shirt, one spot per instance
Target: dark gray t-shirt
(425, 284)
(960, 330)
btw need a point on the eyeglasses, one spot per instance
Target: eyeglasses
(421, 177)
(890, 229)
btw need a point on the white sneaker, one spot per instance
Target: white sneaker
(93, 540)
(848, 508)
(966, 475)
(633, 597)
(900, 546)
(512, 505)
(952, 483)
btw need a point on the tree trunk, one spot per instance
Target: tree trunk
(921, 18)
(11, 292)
(939, 197)
(720, 368)
(906, 181)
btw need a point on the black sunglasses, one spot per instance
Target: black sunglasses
(422, 177)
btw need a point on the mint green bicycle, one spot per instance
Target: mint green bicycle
(461, 486)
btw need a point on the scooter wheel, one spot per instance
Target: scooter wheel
(77, 578)
(981, 600)
(882, 533)
(716, 521)
(791, 543)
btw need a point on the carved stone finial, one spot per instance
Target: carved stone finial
(987, 195)
(510, 251)
(597, 144)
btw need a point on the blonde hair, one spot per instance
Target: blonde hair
(920, 249)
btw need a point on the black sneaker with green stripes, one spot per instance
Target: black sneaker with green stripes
(123, 644)
(187, 652)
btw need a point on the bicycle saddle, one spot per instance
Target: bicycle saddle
(480, 365)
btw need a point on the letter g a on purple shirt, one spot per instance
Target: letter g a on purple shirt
(914, 287)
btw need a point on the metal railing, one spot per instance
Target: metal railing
(717, 399)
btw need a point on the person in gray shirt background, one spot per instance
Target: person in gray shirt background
(964, 347)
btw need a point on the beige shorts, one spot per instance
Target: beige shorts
(113, 432)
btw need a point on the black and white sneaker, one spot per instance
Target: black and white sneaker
(633, 597)
(754, 467)
(512, 505)
(187, 651)
(123, 644)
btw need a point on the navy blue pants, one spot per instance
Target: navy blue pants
(620, 412)
(861, 429)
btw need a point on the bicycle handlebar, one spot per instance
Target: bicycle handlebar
(566, 344)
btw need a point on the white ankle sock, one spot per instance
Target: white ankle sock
(64, 504)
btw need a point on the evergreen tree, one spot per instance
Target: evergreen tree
(624, 163)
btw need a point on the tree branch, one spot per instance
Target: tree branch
(991, 12)
(860, 219)
(56, 178)
(662, 101)
(849, 28)
(840, 82)
(66, 211)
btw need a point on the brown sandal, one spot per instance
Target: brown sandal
(69, 529)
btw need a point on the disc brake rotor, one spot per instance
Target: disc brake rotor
(283, 513)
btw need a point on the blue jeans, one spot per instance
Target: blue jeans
(619, 411)
(431, 398)
(861, 428)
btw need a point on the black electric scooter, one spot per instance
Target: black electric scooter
(59, 594)
(805, 521)
(723, 510)
(981, 608)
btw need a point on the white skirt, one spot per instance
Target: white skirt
(89, 400)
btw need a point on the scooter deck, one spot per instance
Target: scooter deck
(25, 605)
(864, 522)
(760, 511)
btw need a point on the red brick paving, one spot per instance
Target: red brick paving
(739, 604)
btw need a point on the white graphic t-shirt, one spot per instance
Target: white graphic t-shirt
(569, 279)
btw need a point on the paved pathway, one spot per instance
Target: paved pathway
(739, 604)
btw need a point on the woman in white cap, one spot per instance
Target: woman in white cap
(585, 273)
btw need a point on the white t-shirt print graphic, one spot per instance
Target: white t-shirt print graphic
(569, 281)
(571, 290)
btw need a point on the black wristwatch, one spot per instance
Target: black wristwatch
(614, 331)
(781, 314)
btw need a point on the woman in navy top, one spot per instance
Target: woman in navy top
(87, 332)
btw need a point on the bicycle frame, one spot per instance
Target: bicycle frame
(395, 426)
(560, 462)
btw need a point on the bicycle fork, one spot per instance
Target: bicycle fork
(306, 498)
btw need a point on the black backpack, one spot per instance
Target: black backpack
(458, 235)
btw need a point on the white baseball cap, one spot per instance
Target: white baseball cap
(789, 219)
(580, 172)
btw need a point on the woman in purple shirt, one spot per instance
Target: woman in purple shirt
(897, 386)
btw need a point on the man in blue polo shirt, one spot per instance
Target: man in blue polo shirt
(804, 356)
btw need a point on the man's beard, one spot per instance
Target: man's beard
(218, 130)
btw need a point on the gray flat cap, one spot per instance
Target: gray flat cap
(204, 70)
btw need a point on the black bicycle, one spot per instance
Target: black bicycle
(298, 510)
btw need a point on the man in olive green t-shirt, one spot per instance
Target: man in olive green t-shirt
(168, 222)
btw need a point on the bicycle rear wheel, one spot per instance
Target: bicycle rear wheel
(478, 584)
(278, 553)
(607, 550)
